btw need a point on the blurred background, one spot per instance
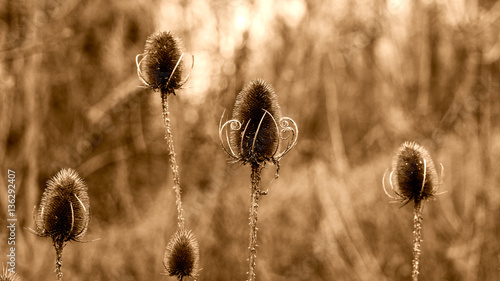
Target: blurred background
(358, 77)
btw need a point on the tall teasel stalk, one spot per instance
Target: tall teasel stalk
(64, 212)
(255, 136)
(416, 180)
(160, 69)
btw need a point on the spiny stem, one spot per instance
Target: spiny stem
(173, 163)
(417, 238)
(59, 249)
(254, 205)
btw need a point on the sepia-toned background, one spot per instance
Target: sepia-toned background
(358, 77)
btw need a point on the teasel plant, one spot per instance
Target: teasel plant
(256, 135)
(64, 212)
(160, 68)
(414, 178)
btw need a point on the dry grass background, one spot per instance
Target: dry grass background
(358, 77)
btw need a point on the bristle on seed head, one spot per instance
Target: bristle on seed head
(415, 173)
(6, 275)
(160, 67)
(64, 211)
(257, 108)
(182, 255)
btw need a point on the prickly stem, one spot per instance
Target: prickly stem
(254, 205)
(59, 249)
(417, 238)
(173, 164)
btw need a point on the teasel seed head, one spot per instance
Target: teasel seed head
(257, 108)
(257, 133)
(64, 211)
(182, 256)
(160, 67)
(415, 175)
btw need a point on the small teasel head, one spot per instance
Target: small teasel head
(413, 176)
(64, 211)
(160, 67)
(182, 256)
(256, 131)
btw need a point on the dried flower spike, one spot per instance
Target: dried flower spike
(415, 175)
(182, 255)
(257, 129)
(255, 136)
(160, 67)
(416, 180)
(64, 212)
(257, 108)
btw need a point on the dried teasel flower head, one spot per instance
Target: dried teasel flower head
(64, 211)
(256, 131)
(182, 256)
(413, 176)
(160, 67)
(257, 108)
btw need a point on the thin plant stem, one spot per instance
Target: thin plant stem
(173, 164)
(417, 238)
(59, 249)
(254, 205)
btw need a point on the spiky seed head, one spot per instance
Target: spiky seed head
(64, 211)
(257, 108)
(416, 176)
(161, 56)
(6, 275)
(182, 255)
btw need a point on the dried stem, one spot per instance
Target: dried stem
(417, 238)
(59, 249)
(254, 205)
(173, 163)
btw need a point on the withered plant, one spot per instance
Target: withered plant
(255, 135)
(416, 180)
(64, 212)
